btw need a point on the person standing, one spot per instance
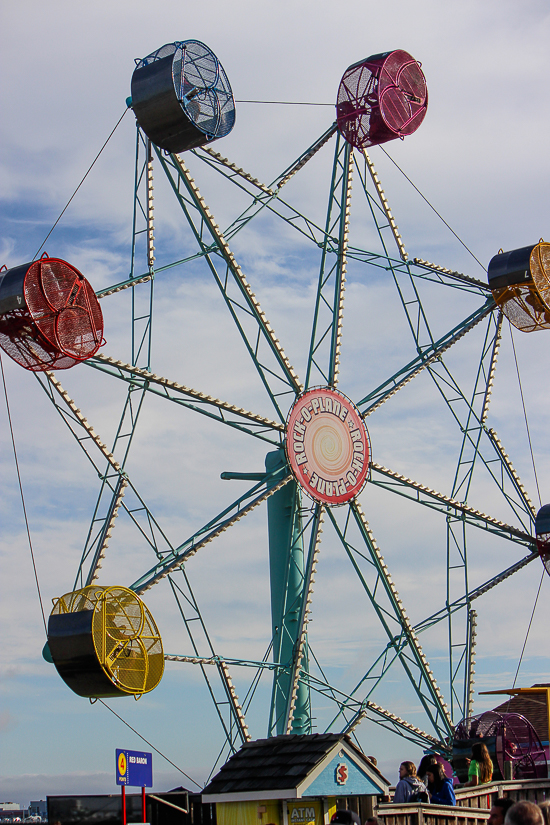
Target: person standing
(442, 785)
(425, 764)
(409, 788)
(481, 767)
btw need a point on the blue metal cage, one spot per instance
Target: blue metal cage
(181, 96)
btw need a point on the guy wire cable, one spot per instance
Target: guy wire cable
(22, 496)
(79, 185)
(525, 415)
(149, 743)
(433, 208)
(529, 628)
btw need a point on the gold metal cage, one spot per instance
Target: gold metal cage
(527, 305)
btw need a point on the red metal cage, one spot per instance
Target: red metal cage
(50, 317)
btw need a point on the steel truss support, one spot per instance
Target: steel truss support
(349, 703)
(108, 500)
(172, 559)
(452, 273)
(449, 507)
(229, 414)
(385, 207)
(479, 443)
(403, 376)
(403, 642)
(472, 418)
(466, 599)
(388, 656)
(271, 200)
(375, 713)
(324, 350)
(264, 348)
(469, 409)
(223, 694)
(405, 283)
(114, 480)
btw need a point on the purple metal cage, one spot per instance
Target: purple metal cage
(381, 98)
(516, 742)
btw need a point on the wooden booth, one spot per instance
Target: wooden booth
(295, 780)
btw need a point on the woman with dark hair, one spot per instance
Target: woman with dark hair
(481, 767)
(442, 785)
(427, 760)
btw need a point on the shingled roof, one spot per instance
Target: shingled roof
(281, 763)
(531, 705)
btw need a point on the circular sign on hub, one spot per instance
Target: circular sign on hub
(327, 446)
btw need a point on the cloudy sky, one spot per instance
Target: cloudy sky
(480, 158)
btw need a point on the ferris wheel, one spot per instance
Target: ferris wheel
(321, 461)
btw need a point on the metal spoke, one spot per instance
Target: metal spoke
(230, 515)
(114, 482)
(328, 315)
(389, 609)
(448, 506)
(172, 391)
(235, 728)
(451, 273)
(250, 311)
(402, 377)
(385, 206)
(375, 713)
(235, 170)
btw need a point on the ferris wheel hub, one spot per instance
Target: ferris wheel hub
(327, 446)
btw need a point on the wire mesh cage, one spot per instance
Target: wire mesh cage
(181, 96)
(104, 642)
(511, 739)
(50, 317)
(381, 98)
(520, 282)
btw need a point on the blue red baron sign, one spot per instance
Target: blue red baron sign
(134, 768)
(327, 446)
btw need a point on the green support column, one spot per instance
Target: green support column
(286, 567)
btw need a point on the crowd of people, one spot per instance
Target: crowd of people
(430, 783)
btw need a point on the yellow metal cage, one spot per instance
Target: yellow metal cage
(104, 642)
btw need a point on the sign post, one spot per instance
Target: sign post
(134, 768)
